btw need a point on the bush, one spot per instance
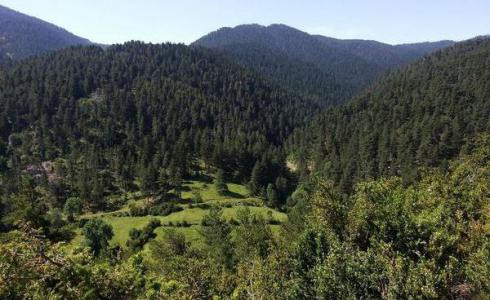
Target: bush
(82, 222)
(196, 197)
(97, 235)
(73, 206)
(138, 238)
(156, 210)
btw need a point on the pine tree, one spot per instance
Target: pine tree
(255, 184)
(220, 184)
(272, 198)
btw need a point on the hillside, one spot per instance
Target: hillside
(383, 55)
(223, 170)
(22, 36)
(326, 69)
(140, 112)
(422, 115)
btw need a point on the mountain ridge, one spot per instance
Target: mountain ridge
(419, 116)
(22, 35)
(327, 69)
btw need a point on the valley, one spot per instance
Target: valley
(189, 220)
(256, 162)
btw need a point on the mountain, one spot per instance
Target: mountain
(133, 110)
(22, 36)
(421, 115)
(384, 56)
(144, 171)
(326, 69)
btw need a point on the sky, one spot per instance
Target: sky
(183, 21)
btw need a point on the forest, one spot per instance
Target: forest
(166, 171)
(421, 115)
(327, 70)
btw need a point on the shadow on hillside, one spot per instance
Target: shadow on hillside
(201, 177)
(233, 195)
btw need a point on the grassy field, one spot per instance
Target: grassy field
(209, 194)
(236, 199)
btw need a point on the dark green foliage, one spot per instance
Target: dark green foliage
(253, 237)
(257, 181)
(272, 198)
(97, 235)
(149, 180)
(26, 206)
(183, 223)
(30, 206)
(95, 125)
(174, 244)
(327, 70)
(138, 238)
(163, 209)
(145, 112)
(196, 197)
(392, 241)
(73, 206)
(220, 184)
(421, 115)
(217, 236)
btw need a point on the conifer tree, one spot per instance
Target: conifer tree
(219, 183)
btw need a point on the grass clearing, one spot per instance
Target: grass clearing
(237, 199)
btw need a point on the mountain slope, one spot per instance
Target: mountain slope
(422, 115)
(22, 36)
(325, 69)
(133, 110)
(382, 55)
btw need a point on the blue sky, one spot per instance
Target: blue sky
(391, 21)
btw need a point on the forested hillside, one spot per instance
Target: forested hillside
(325, 69)
(386, 241)
(382, 55)
(166, 171)
(422, 115)
(138, 111)
(22, 36)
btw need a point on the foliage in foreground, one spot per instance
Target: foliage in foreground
(430, 240)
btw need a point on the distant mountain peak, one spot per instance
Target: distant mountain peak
(22, 35)
(322, 67)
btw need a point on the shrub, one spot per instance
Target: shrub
(97, 235)
(138, 238)
(196, 197)
(82, 222)
(73, 206)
